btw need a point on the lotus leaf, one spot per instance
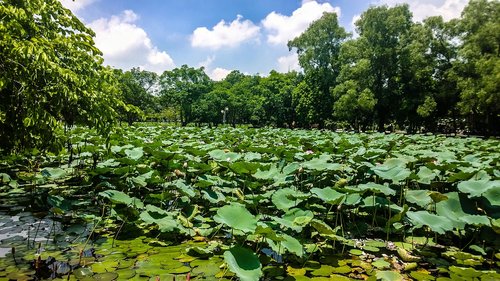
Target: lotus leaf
(53, 173)
(389, 276)
(322, 164)
(222, 156)
(329, 195)
(437, 223)
(286, 198)
(393, 169)
(244, 263)
(134, 153)
(117, 197)
(377, 188)
(236, 216)
(425, 175)
(292, 245)
(476, 188)
(419, 197)
(453, 209)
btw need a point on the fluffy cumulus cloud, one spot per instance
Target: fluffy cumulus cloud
(422, 9)
(216, 74)
(225, 34)
(288, 63)
(126, 45)
(282, 28)
(219, 73)
(76, 5)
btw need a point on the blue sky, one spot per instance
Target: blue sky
(221, 35)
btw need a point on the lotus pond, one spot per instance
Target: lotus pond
(155, 202)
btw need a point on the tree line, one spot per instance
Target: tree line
(395, 73)
(432, 76)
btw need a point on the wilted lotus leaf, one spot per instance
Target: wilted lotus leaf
(244, 263)
(236, 216)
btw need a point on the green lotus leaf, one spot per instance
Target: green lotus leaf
(460, 211)
(419, 197)
(116, 197)
(329, 195)
(134, 153)
(184, 188)
(425, 175)
(322, 164)
(292, 245)
(289, 218)
(251, 156)
(377, 188)
(53, 173)
(389, 276)
(267, 232)
(243, 167)
(476, 188)
(222, 156)
(437, 223)
(236, 216)
(244, 263)
(493, 195)
(286, 198)
(165, 223)
(393, 169)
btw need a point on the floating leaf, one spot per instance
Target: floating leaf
(116, 197)
(389, 276)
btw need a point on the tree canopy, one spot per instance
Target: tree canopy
(51, 75)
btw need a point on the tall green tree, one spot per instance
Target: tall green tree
(182, 87)
(318, 49)
(478, 70)
(383, 32)
(51, 75)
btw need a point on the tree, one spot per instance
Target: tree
(318, 49)
(51, 74)
(478, 69)
(383, 32)
(182, 87)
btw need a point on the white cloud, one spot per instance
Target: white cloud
(422, 9)
(225, 34)
(283, 28)
(76, 5)
(125, 45)
(216, 74)
(219, 73)
(288, 63)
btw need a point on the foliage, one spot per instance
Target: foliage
(51, 75)
(311, 203)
